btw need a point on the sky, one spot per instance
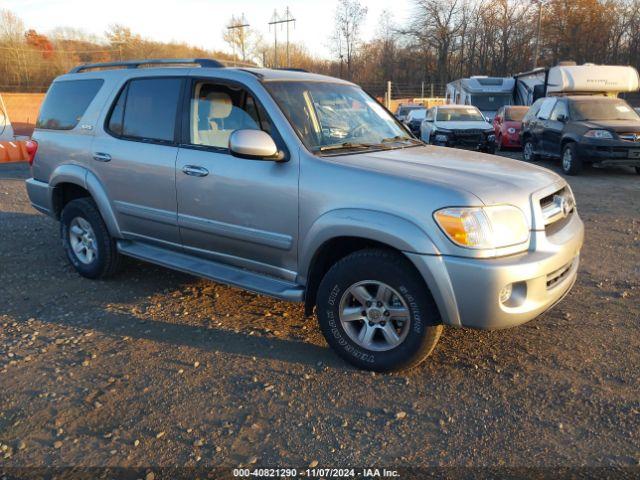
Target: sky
(199, 22)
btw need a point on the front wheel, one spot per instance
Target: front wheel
(571, 162)
(376, 312)
(528, 151)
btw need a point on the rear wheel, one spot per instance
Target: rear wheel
(528, 151)
(571, 162)
(86, 240)
(375, 311)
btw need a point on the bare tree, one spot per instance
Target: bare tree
(238, 36)
(349, 16)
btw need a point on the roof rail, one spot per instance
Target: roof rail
(291, 69)
(203, 62)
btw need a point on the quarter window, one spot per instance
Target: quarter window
(146, 109)
(66, 103)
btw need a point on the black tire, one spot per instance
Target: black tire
(106, 259)
(528, 151)
(394, 270)
(571, 162)
(638, 170)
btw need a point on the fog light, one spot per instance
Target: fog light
(441, 138)
(505, 293)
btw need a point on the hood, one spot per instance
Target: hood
(464, 125)
(618, 126)
(491, 178)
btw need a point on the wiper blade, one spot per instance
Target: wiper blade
(349, 146)
(399, 138)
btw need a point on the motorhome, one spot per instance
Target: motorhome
(486, 93)
(568, 78)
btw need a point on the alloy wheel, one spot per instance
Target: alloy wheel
(374, 315)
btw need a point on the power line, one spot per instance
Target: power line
(241, 25)
(275, 21)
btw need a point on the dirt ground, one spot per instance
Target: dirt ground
(155, 368)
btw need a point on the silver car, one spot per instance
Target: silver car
(305, 188)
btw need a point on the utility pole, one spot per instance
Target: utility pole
(242, 24)
(536, 52)
(275, 21)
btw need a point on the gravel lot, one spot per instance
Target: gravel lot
(155, 368)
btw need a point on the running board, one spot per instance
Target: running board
(215, 271)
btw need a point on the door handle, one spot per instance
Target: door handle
(101, 157)
(195, 171)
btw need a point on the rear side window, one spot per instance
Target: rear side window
(66, 102)
(146, 110)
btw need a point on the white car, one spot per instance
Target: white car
(461, 126)
(6, 131)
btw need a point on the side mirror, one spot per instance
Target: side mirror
(562, 118)
(254, 145)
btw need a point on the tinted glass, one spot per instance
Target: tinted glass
(117, 114)
(490, 102)
(150, 109)
(66, 102)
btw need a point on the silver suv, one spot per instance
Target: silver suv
(305, 188)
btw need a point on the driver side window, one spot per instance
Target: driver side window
(218, 110)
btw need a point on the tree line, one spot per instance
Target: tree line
(440, 41)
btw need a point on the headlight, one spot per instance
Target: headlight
(511, 130)
(599, 134)
(441, 137)
(491, 138)
(484, 227)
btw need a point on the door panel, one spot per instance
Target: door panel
(134, 157)
(140, 181)
(244, 212)
(240, 211)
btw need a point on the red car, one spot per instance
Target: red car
(507, 124)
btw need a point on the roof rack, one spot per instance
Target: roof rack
(203, 62)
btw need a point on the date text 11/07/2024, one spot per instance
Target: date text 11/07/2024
(316, 473)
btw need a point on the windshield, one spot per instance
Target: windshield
(515, 114)
(406, 110)
(490, 103)
(467, 114)
(330, 116)
(602, 109)
(417, 114)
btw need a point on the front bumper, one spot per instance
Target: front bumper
(483, 143)
(511, 140)
(467, 290)
(609, 152)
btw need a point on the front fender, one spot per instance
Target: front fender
(397, 232)
(84, 178)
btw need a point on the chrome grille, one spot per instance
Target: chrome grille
(630, 136)
(557, 206)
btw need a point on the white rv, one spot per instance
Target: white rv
(486, 93)
(569, 78)
(6, 131)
